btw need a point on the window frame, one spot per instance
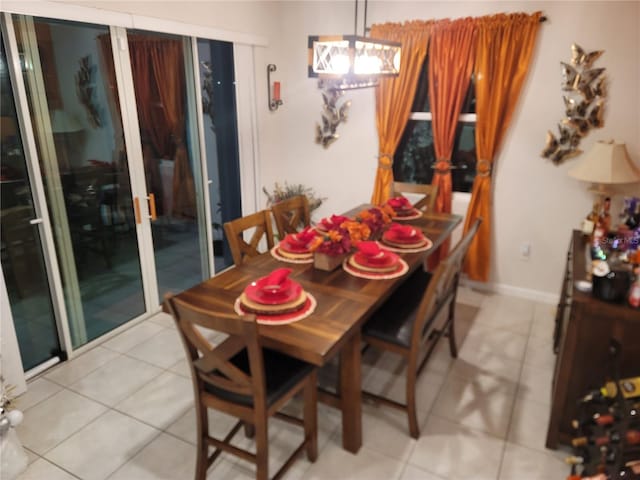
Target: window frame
(469, 118)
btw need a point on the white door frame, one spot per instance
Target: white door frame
(244, 45)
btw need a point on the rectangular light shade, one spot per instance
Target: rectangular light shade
(352, 56)
(606, 163)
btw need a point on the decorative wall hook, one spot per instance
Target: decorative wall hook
(274, 100)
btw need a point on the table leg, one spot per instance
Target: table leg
(351, 394)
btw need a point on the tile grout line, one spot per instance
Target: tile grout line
(515, 397)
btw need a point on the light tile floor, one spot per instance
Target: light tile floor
(124, 410)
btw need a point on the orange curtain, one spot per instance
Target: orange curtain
(503, 54)
(158, 66)
(172, 92)
(451, 56)
(394, 96)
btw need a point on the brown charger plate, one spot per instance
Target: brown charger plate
(258, 308)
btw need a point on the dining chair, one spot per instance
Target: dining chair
(291, 215)
(235, 229)
(429, 192)
(410, 322)
(242, 379)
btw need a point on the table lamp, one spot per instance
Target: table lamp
(606, 165)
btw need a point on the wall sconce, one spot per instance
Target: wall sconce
(274, 100)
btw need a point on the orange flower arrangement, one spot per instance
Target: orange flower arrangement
(340, 239)
(376, 218)
(334, 242)
(358, 231)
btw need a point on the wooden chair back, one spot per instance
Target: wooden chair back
(427, 202)
(442, 287)
(211, 364)
(232, 377)
(291, 215)
(235, 229)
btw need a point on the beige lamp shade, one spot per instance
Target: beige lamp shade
(606, 163)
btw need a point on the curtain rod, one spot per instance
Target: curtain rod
(367, 29)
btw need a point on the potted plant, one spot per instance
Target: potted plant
(280, 193)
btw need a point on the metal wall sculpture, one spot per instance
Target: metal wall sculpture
(332, 113)
(584, 104)
(86, 90)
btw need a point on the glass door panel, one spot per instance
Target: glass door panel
(22, 256)
(171, 157)
(217, 78)
(72, 95)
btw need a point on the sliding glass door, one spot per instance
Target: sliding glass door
(69, 80)
(162, 71)
(134, 140)
(220, 132)
(23, 262)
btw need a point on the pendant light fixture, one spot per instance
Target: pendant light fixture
(353, 61)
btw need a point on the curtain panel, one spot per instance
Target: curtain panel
(157, 66)
(451, 55)
(503, 55)
(394, 96)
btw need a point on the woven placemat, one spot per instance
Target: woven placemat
(400, 271)
(398, 249)
(281, 319)
(416, 214)
(302, 258)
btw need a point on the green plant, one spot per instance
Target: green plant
(280, 193)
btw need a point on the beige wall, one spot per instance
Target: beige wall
(535, 201)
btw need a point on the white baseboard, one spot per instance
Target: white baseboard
(510, 290)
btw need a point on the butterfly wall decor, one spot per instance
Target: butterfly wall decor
(332, 113)
(585, 89)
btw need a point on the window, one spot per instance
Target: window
(415, 157)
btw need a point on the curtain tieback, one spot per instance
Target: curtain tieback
(442, 166)
(483, 168)
(385, 161)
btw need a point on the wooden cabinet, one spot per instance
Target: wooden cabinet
(584, 328)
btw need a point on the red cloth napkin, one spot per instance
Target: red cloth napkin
(399, 203)
(334, 221)
(369, 249)
(301, 239)
(403, 231)
(276, 278)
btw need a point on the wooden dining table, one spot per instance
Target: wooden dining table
(344, 303)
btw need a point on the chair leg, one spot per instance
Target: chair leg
(262, 449)
(453, 348)
(311, 416)
(412, 413)
(202, 455)
(249, 430)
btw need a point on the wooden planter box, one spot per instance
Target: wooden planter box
(322, 261)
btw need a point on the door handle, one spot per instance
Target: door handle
(136, 209)
(35, 221)
(152, 207)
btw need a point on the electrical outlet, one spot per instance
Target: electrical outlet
(525, 251)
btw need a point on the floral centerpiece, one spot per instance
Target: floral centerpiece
(337, 235)
(375, 219)
(334, 242)
(331, 247)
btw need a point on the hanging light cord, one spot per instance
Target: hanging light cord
(364, 22)
(355, 20)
